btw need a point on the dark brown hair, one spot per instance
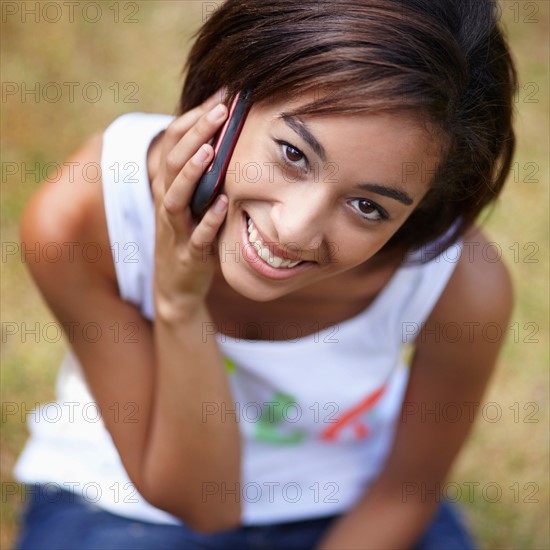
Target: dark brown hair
(446, 61)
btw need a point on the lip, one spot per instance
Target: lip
(263, 268)
(276, 249)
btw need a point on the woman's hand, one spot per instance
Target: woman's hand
(183, 259)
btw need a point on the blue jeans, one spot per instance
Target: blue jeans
(68, 522)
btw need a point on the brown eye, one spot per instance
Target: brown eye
(369, 210)
(293, 154)
(366, 207)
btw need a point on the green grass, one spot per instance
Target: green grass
(511, 453)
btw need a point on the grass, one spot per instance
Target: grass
(142, 61)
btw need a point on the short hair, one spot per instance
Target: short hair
(446, 61)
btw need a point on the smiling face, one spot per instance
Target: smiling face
(327, 192)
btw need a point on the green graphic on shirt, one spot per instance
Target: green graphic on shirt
(278, 413)
(229, 365)
(273, 417)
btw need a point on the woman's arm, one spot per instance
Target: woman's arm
(400, 504)
(164, 373)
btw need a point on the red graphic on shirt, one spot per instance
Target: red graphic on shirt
(353, 417)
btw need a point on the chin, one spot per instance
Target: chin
(249, 287)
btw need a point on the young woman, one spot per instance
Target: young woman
(249, 382)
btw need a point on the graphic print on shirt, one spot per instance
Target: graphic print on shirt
(229, 365)
(360, 420)
(274, 422)
(355, 418)
(273, 417)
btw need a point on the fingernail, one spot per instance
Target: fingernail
(216, 113)
(221, 204)
(201, 155)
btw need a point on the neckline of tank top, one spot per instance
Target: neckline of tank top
(324, 334)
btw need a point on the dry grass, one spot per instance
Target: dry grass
(511, 452)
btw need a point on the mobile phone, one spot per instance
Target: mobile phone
(224, 143)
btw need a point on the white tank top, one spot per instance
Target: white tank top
(316, 413)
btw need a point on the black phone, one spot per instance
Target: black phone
(224, 143)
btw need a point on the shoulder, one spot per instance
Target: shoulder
(65, 195)
(480, 288)
(70, 213)
(456, 352)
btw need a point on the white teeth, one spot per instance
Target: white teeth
(264, 252)
(275, 262)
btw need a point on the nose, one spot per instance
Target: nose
(301, 220)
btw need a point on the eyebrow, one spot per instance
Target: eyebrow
(302, 130)
(391, 192)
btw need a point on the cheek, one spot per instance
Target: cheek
(251, 167)
(351, 249)
(241, 177)
(344, 250)
(350, 255)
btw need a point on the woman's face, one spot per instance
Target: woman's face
(326, 192)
